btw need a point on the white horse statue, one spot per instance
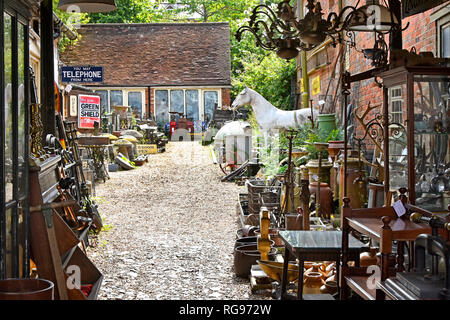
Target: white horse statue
(268, 116)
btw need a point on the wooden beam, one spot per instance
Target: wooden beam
(47, 69)
(395, 38)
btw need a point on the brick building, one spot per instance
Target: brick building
(159, 67)
(427, 31)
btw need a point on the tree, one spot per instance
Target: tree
(71, 20)
(217, 10)
(270, 76)
(133, 11)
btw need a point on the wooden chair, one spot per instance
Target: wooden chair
(383, 226)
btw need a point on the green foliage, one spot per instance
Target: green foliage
(302, 135)
(268, 75)
(107, 227)
(320, 136)
(217, 10)
(69, 19)
(132, 11)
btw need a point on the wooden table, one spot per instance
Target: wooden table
(315, 246)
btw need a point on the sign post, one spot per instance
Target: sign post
(89, 111)
(83, 74)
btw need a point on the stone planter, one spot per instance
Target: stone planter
(313, 170)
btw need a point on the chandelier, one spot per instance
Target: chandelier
(282, 31)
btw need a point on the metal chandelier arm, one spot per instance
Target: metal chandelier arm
(257, 37)
(272, 16)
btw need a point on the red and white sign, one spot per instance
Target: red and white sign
(88, 111)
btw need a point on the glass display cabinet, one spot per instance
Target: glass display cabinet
(417, 145)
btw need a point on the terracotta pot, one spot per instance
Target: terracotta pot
(315, 267)
(139, 163)
(318, 268)
(326, 197)
(330, 266)
(331, 278)
(298, 154)
(308, 265)
(312, 283)
(330, 287)
(26, 289)
(334, 146)
(368, 258)
(245, 256)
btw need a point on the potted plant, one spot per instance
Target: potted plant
(317, 135)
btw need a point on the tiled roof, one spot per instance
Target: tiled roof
(156, 53)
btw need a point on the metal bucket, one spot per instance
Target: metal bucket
(245, 256)
(249, 241)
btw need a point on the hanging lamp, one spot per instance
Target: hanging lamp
(372, 17)
(88, 6)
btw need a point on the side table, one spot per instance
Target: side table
(316, 246)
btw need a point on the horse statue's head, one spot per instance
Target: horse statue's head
(242, 99)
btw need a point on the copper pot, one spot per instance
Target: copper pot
(26, 289)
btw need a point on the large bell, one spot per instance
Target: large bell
(87, 6)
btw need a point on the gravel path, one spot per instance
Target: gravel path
(172, 230)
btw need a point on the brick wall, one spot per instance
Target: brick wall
(226, 97)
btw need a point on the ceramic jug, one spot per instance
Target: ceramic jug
(330, 287)
(312, 283)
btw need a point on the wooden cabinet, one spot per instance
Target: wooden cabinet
(416, 141)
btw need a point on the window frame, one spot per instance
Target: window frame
(19, 204)
(441, 22)
(201, 103)
(398, 98)
(125, 92)
(441, 31)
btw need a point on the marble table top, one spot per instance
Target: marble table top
(318, 240)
